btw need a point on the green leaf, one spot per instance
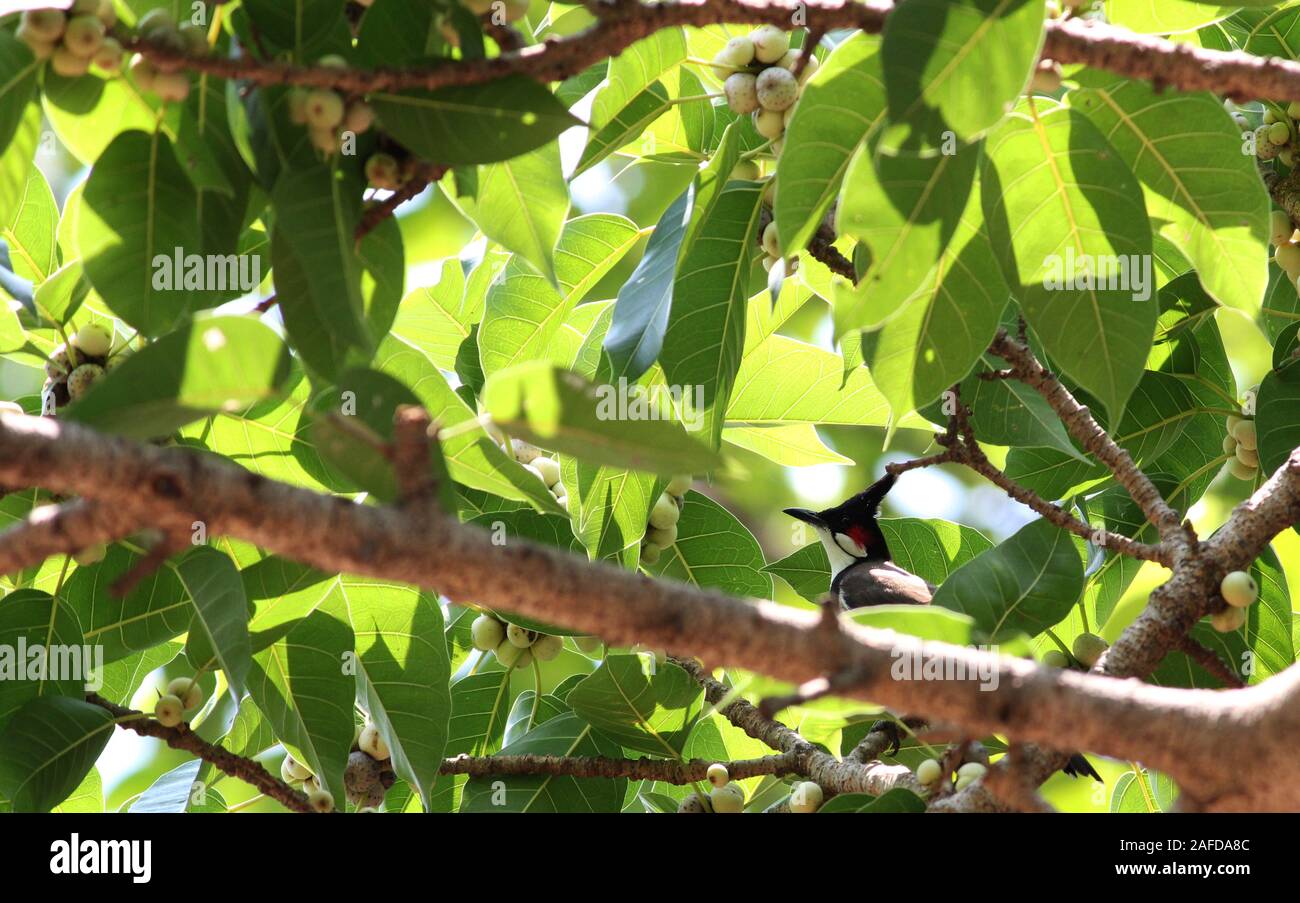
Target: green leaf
(1261, 648)
(302, 688)
(47, 749)
(369, 400)
(563, 735)
(706, 327)
(268, 437)
(613, 505)
(123, 677)
(945, 326)
(522, 718)
(402, 670)
(807, 570)
(136, 211)
(18, 68)
(930, 623)
(156, 610)
(301, 27)
(627, 125)
(89, 113)
(932, 549)
(522, 203)
(524, 523)
(712, 180)
(576, 87)
(651, 713)
(472, 457)
(249, 734)
(525, 312)
(439, 318)
(1265, 32)
(636, 333)
(602, 424)
(577, 344)
(1144, 791)
(1024, 585)
(840, 107)
(634, 70)
(1277, 416)
(906, 210)
(30, 231)
(483, 123)
(480, 704)
(783, 380)
(697, 118)
(955, 65)
(1267, 632)
(1114, 510)
(213, 364)
(317, 274)
(221, 612)
(60, 296)
(397, 32)
(35, 620)
(714, 550)
(893, 801)
(1202, 193)
(16, 158)
(790, 445)
(1166, 16)
(88, 797)
(170, 792)
(1050, 220)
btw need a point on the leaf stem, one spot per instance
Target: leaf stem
(239, 807)
(537, 692)
(690, 98)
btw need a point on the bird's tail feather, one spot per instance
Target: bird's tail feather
(1079, 767)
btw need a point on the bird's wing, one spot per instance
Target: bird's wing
(883, 583)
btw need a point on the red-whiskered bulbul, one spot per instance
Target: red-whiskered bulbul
(861, 570)
(863, 574)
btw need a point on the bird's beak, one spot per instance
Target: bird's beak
(808, 517)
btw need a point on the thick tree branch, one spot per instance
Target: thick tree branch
(1183, 732)
(1236, 74)
(63, 530)
(554, 59)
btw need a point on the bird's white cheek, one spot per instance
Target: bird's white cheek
(850, 546)
(835, 553)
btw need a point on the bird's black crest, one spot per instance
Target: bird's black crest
(861, 508)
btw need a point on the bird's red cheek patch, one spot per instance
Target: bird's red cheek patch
(861, 537)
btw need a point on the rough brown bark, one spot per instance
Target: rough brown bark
(1183, 732)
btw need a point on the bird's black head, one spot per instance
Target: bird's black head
(851, 525)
